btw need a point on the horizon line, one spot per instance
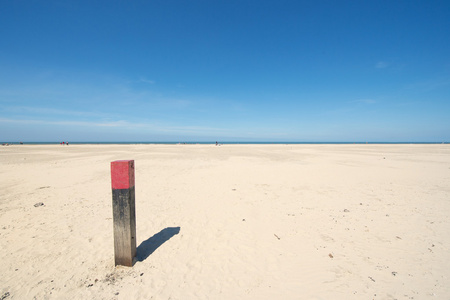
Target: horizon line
(223, 142)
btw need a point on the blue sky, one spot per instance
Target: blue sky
(225, 70)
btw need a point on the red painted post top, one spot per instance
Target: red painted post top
(122, 174)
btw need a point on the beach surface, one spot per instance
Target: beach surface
(229, 222)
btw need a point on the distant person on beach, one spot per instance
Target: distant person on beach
(216, 143)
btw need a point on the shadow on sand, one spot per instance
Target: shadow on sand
(147, 247)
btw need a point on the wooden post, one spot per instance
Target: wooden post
(124, 212)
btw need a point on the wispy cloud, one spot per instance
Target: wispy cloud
(160, 128)
(50, 111)
(69, 123)
(381, 65)
(173, 103)
(146, 80)
(430, 85)
(364, 101)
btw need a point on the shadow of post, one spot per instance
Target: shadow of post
(147, 247)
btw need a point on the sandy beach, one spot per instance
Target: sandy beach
(229, 222)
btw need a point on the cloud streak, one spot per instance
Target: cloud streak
(68, 123)
(146, 81)
(51, 111)
(121, 124)
(365, 101)
(381, 65)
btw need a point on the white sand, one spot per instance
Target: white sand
(254, 222)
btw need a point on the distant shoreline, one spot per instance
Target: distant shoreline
(228, 143)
